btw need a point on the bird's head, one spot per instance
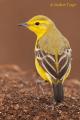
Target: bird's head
(39, 24)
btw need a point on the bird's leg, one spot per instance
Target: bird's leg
(40, 83)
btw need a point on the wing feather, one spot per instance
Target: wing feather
(47, 61)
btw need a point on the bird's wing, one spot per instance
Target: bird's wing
(48, 63)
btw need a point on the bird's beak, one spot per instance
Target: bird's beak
(23, 24)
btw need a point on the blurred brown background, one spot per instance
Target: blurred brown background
(17, 44)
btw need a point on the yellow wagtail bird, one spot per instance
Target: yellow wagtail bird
(52, 53)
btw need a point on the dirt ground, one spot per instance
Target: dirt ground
(23, 98)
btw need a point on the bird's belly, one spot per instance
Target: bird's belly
(42, 72)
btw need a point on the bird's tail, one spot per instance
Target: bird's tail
(58, 92)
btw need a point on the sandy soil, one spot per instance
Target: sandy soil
(22, 98)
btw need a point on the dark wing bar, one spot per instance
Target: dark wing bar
(47, 61)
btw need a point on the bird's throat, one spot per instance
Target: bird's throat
(40, 34)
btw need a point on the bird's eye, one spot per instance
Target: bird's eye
(37, 23)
